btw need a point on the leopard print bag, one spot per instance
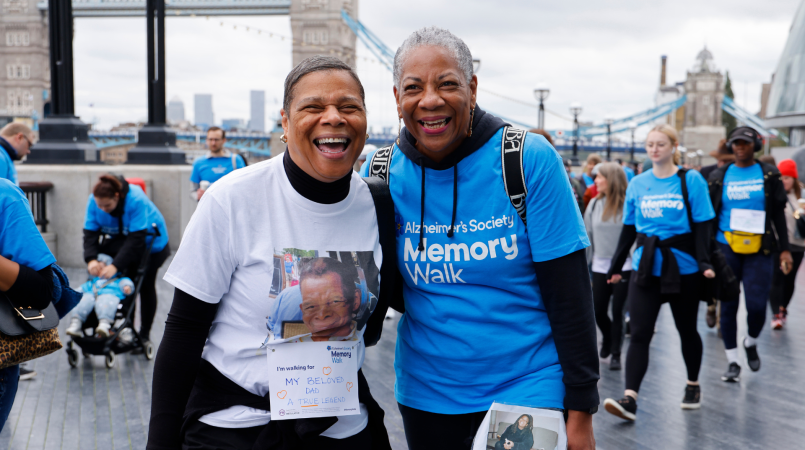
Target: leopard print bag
(26, 333)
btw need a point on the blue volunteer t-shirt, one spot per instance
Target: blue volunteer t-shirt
(213, 169)
(629, 173)
(7, 169)
(20, 240)
(743, 189)
(656, 208)
(588, 180)
(475, 328)
(138, 214)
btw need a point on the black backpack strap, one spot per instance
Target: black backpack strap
(384, 208)
(379, 165)
(511, 157)
(682, 173)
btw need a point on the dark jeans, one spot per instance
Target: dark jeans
(755, 271)
(612, 330)
(200, 436)
(9, 379)
(426, 430)
(782, 286)
(644, 306)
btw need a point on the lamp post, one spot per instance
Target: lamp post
(608, 120)
(63, 137)
(575, 109)
(541, 93)
(632, 128)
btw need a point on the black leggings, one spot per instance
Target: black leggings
(148, 291)
(644, 306)
(426, 430)
(612, 330)
(782, 286)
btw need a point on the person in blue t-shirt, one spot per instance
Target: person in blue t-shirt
(26, 277)
(750, 199)
(16, 140)
(627, 169)
(118, 220)
(672, 235)
(496, 307)
(217, 163)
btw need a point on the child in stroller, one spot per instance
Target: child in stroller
(102, 295)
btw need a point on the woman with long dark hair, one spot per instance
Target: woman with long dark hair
(604, 221)
(518, 436)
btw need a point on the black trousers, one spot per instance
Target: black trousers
(644, 306)
(200, 436)
(148, 291)
(426, 430)
(782, 286)
(612, 330)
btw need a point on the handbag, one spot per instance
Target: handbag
(26, 333)
(743, 243)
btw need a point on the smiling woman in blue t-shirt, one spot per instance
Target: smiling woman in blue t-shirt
(750, 200)
(118, 219)
(497, 308)
(666, 263)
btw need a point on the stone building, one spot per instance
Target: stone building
(24, 65)
(318, 29)
(704, 87)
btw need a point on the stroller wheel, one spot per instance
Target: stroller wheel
(110, 360)
(72, 357)
(149, 350)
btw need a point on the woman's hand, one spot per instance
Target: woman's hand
(580, 428)
(786, 262)
(615, 279)
(108, 271)
(94, 267)
(709, 273)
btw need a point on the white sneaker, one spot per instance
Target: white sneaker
(103, 328)
(75, 327)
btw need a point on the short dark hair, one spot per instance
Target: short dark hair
(223, 133)
(318, 267)
(107, 186)
(544, 134)
(315, 64)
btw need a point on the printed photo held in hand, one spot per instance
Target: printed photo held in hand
(510, 427)
(321, 296)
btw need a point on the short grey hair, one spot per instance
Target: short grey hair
(436, 37)
(315, 64)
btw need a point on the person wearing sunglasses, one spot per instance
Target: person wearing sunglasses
(16, 140)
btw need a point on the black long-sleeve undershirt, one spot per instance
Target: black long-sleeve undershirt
(32, 288)
(568, 300)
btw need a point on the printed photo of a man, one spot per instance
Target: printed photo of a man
(330, 298)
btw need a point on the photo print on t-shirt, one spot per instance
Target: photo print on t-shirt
(321, 295)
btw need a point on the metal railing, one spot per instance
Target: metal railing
(36, 191)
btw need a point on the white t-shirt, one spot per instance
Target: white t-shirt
(251, 238)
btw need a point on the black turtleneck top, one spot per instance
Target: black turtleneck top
(188, 325)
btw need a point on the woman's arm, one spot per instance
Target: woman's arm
(627, 238)
(176, 366)
(565, 287)
(701, 238)
(781, 199)
(131, 251)
(24, 286)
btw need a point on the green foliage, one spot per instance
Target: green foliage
(727, 120)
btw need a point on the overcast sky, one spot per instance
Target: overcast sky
(605, 55)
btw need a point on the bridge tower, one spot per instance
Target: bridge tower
(24, 66)
(318, 29)
(705, 90)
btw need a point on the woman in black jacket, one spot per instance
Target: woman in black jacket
(518, 436)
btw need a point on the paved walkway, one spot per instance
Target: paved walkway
(90, 407)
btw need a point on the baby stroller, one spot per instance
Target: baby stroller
(122, 337)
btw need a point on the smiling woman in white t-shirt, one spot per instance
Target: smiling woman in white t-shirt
(237, 270)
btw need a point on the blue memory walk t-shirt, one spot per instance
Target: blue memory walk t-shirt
(475, 328)
(7, 169)
(212, 169)
(743, 189)
(138, 214)
(656, 208)
(20, 240)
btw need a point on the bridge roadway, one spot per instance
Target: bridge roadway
(90, 407)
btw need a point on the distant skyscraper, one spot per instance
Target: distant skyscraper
(203, 110)
(258, 111)
(175, 110)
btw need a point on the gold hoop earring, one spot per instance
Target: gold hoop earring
(367, 135)
(472, 117)
(284, 139)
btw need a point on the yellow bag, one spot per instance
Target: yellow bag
(743, 243)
